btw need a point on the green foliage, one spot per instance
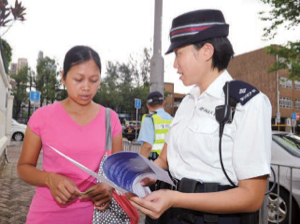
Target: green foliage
(7, 50)
(18, 12)
(284, 13)
(46, 80)
(288, 58)
(124, 82)
(19, 92)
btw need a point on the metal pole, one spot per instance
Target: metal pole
(263, 212)
(157, 61)
(136, 121)
(277, 83)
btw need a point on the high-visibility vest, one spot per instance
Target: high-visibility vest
(161, 128)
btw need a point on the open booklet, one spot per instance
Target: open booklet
(124, 172)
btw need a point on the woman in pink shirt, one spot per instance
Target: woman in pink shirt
(76, 127)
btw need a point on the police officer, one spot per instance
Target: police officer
(197, 139)
(155, 126)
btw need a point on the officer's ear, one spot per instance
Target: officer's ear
(208, 51)
(148, 106)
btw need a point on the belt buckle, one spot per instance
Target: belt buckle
(175, 181)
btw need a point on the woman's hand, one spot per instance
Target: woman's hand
(101, 196)
(154, 204)
(62, 188)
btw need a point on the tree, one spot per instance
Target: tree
(6, 50)
(19, 92)
(284, 13)
(46, 80)
(145, 67)
(18, 13)
(124, 82)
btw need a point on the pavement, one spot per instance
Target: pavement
(16, 195)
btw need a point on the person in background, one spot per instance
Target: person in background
(155, 126)
(76, 127)
(209, 189)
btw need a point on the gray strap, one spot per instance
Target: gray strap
(108, 141)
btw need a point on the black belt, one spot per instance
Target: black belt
(186, 185)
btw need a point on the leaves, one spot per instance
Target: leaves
(17, 12)
(284, 13)
(124, 82)
(7, 50)
(46, 80)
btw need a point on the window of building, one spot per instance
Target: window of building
(285, 82)
(289, 84)
(297, 104)
(285, 102)
(297, 85)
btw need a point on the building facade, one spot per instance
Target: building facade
(22, 62)
(172, 99)
(6, 103)
(284, 94)
(13, 68)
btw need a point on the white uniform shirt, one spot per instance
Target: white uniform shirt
(193, 139)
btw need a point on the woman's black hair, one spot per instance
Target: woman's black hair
(223, 51)
(80, 54)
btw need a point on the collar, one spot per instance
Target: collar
(215, 89)
(159, 110)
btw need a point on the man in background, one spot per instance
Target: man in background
(155, 126)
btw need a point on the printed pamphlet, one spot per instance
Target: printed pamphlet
(124, 171)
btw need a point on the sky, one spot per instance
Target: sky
(117, 29)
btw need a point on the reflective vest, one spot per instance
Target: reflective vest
(161, 128)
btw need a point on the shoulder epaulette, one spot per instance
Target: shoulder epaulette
(241, 91)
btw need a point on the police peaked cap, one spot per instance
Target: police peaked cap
(196, 26)
(155, 96)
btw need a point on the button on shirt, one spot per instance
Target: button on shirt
(193, 139)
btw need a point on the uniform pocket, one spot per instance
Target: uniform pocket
(204, 125)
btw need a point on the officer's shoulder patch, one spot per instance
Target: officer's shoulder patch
(242, 91)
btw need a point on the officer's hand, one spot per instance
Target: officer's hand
(154, 204)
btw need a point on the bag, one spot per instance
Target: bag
(119, 211)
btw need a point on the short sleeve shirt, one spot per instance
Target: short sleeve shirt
(85, 144)
(147, 130)
(193, 139)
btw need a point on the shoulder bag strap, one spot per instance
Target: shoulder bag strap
(108, 141)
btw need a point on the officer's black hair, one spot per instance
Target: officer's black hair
(223, 51)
